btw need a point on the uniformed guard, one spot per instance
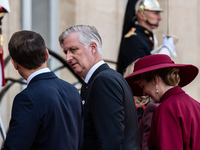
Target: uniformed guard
(138, 39)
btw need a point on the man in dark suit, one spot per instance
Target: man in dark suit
(110, 119)
(47, 114)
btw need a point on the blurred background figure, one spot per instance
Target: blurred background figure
(4, 8)
(145, 109)
(138, 39)
(175, 122)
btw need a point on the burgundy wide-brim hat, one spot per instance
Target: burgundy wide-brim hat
(187, 72)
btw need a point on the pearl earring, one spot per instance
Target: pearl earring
(156, 88)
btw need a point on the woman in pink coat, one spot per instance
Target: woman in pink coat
(176, 121)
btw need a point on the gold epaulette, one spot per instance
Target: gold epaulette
(2, 14)
(146, 32)
(130, 33)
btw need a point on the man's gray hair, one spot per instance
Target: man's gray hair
(87, 35)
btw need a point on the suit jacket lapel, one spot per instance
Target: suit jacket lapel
(84, 94)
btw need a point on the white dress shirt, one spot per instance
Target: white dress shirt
(36, 73)
(92, 70)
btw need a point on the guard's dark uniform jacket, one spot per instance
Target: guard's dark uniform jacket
(137, 43)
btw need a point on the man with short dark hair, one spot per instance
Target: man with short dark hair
(46, 115)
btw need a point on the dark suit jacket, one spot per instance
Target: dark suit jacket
(46, 115)
(110, 117)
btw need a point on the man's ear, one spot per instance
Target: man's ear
(47, 55)
(15, 64)
(141, 15)
(93, 46)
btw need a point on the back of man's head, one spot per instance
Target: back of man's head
(28, 49)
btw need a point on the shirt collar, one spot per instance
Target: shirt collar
(92, 70)
(37, 73)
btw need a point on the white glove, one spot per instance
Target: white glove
(168, 46)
